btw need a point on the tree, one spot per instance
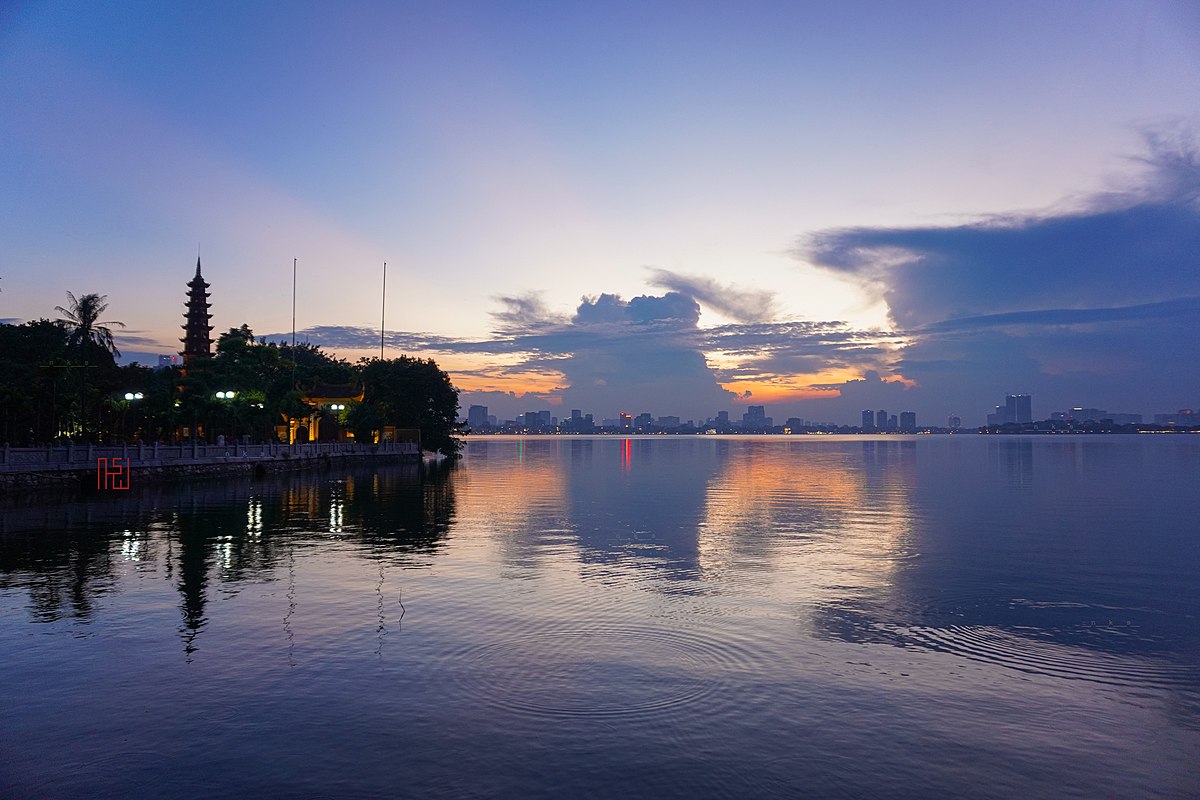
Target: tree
(86, 332)
(408, 393)
(35, 383)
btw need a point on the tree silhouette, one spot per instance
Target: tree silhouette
(86, 331)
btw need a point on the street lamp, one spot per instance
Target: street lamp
(228, 394)
(129, 398)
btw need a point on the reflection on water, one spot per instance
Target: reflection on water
(668, 616)
(229, 533)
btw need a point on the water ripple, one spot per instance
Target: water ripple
(997, 647)
(598, 671)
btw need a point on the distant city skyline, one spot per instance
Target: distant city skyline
(673, 209)
(1017, 410)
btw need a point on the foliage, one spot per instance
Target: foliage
(409, 393)
(88, 334)
(59, 379)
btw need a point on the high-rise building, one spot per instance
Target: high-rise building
(477, 417)
(197, 332)
(954, 422)
(868, 420)
(1018, 408)
(755, 418)
(626, 421)
(999, 416)
(881, 420)
(908, 421)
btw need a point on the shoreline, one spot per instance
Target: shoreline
(106, 469)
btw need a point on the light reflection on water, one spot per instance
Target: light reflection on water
(666, 616)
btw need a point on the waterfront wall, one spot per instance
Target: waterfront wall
(67, 464)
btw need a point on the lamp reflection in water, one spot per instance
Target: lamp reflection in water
(131, 546)
(254, 518)
(337, 509)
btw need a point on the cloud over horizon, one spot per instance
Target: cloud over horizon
(743, 305)
(1095, 305)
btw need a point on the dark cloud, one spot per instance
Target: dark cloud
(636, 355)
(1140, 252)
(138, 339)
(744, 305)
(524, 314)
(356, 337)
(1167, 309)
(1092, 306)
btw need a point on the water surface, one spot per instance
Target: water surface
(663, 616)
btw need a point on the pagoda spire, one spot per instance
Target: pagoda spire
(197, 332)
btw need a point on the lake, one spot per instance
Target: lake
(859, 616)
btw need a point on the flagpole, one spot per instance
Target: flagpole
(383, 312)
(293, 323)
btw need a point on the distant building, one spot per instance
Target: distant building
(868, 420)
(1018, 408)
(643, 422)
(756, 419)
(881, 420)
(668, 423)
(1183, 418)
(169, 361)
(626, 421)
(908, 421)
(477, 417)
(954, 422)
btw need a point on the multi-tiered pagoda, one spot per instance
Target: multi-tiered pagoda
(197, 332)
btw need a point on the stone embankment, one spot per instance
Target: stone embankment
(117, 467)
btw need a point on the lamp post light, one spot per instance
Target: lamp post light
(129, 398)
(228, 394)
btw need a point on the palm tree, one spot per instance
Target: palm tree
(86, 331)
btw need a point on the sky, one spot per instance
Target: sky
(674, 208)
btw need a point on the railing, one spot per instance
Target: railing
(84, 456)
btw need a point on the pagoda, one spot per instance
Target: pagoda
(197, 332)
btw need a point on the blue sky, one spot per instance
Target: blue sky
(825, 206)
